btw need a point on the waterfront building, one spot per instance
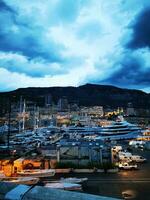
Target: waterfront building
(83, 151)
(94, 111)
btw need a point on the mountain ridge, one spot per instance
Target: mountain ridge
(85, 95)
(87, 84)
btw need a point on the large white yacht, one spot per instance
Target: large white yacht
(119, 129)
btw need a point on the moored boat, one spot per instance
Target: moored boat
(65, 186)
(37, 172)
(21, 180)
(119, 130)
(73, 180)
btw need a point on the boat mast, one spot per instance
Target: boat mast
(20, 112)
(36, 117)
(38, 114)
(24, 110)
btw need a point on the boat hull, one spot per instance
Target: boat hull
(22, 180)
(40, 173)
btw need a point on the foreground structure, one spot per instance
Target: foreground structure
(13, 192)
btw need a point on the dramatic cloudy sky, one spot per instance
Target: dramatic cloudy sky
(72, 42)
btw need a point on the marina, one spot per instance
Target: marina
(92, 159)
(89, 156)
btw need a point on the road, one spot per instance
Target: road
(136, 182)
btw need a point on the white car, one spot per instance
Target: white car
(138, 158)
(127, 166)
(129, 194)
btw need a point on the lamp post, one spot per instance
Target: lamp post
(112, 155)
(90, 153)
(79, 153)
(58, 153)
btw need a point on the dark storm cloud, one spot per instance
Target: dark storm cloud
(26, 45)
(5, 7)
(131, 74)
(69, 42)
(19, 37)
(134, 72)
(141, 31)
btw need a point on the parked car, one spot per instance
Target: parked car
(134, 142)
(125, 159)
(126, 156)
(138, 158)
(117, 148)
(127, 166)
(125, 153)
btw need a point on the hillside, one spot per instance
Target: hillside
(86, 95)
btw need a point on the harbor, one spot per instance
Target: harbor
(87, 151)
(97, 160)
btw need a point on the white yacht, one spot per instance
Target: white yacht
(119, 130)
(64, 186)
(73, 180)
(21, 180)
(37, 172)
(83, 129)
